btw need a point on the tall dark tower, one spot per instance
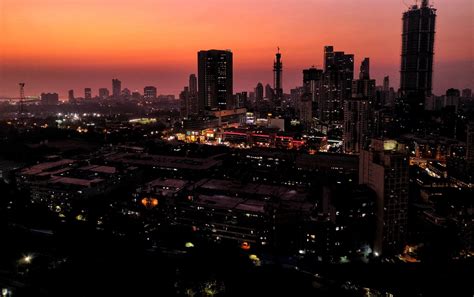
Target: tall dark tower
(193, 95)
(416, 72)
(22, 98)
(116, 88)
(193, 84)
(337, 85)
(365, 69)
(215, 79)
(278, 78)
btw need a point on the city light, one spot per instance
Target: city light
(26, 259)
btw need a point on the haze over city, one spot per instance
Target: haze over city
(58, 45)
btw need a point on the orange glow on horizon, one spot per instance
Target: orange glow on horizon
(58, 35)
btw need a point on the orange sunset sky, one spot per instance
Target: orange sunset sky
(56, 45)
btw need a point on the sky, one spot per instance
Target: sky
(57, 45)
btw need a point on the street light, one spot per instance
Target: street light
(26, 259)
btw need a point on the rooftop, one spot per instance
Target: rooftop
(75, 181)
(43, 167)
(100, 169)
(250, 189)
(164, 161)
(231, 203)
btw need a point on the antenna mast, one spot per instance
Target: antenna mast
(22, 97)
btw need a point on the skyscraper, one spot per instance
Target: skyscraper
(104, 93)
(269, 92)
(386, 84)
(312, 85)
(312, 82)
(356, 124)
(71, 97)
(241, 100)
(278, 79)
(364, 87)
(215, 79)
(184, 103)
(87, 93)
(193, 95)
(418, 36)
(305, 110)
(258, 94)
(365, 69)
(193, 88)
(116, 88)
(358, 111)
(384, 168)
(149, 92)
(337, 85)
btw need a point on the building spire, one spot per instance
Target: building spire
(425, 3)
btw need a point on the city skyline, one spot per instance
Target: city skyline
(56, 58)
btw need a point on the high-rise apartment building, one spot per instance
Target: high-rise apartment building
(87, 93)
(418, 36)
(356, 124)
(149, 92)
(71, 97)
(104, 93)
(384, 168)
(358, 111)
(193, 95)
(337, 85)
(312, 83)
(215, 79)
(116, 88)
(258, 94)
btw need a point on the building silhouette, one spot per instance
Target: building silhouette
(466, 93)
(126, 94)
(337, 85)
(116, 88)
(258, 94)
(418, 36)
(269, 92)
(386, 84)
(193, 95)
(188, 99)
(87, 93)
(149, 92)
(104, 93)
(358, 111)
(365, 69)
(215, 79)
(49, 98)
(384, 168)
(184, 105)
(71, 97)
(312, 85)
(278, 79)
(356, 124)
